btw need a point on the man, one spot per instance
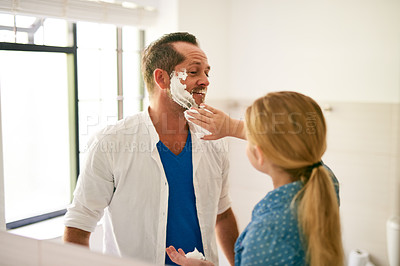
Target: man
(156, 182)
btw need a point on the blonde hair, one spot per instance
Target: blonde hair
(290, 129)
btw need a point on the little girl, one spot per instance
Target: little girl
(298, 222)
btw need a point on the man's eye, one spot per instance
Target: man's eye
(193, 72)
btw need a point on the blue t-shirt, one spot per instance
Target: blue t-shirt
(183, 230)
(272, 237)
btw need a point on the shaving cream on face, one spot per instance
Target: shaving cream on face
(178, 90)
(195, 254)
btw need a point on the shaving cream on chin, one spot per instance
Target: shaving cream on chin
(178, 90)
(197, 130)
(195, 254)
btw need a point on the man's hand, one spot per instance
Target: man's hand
(180, 258)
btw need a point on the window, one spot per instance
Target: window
(36, 133)
(60, 83)
(97, 78)
(109, 79)
(37, 90)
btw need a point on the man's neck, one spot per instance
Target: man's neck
(168, 121)
(171, 125)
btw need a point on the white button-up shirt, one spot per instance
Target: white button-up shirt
(124, 179)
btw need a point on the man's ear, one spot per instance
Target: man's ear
(161, 78)
(259, 155)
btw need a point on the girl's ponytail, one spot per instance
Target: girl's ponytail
(318, 212)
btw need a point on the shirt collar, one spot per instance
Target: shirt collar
(154, 138)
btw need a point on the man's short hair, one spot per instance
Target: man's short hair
(161, 54)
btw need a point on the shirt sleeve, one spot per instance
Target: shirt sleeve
(94, 189)
(224, 200)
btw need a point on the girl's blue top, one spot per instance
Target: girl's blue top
(273, 235)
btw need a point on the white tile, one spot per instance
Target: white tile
(363, 151)
(364, 178)
(365, 181)
(365, 127)
(365, 229)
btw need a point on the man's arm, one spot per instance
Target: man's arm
(227, 233)
(76, 236)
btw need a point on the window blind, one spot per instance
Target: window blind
(140, 13)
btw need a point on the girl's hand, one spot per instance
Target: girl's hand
(180, 258)
(217, 122)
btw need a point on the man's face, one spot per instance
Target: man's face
(196, 67)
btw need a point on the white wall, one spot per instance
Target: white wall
(167, 20)
(209, 20)
(331, 50)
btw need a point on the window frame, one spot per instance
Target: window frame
(75, 167)
(72, 65)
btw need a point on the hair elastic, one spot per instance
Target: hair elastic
(318, 164)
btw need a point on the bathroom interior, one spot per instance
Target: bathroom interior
(344, 54)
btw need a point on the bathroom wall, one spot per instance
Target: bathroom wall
(331, 50)
(346, 55)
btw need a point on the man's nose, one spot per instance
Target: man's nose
(203, 81)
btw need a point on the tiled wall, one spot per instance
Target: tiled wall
(363, 151)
